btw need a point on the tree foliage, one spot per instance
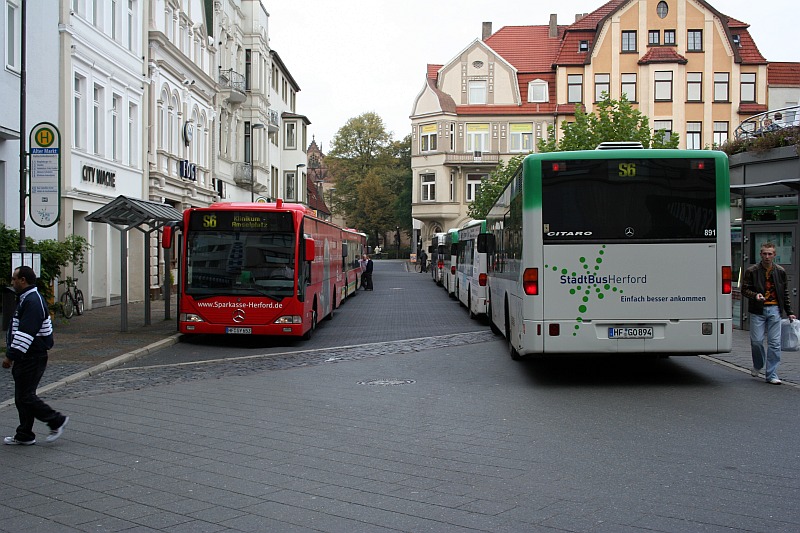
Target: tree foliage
(492, 186)
(612, 120)
(372, 176)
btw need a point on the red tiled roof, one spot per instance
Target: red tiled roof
(751, 109)
(570, 53)
(662, 54)
(527, 48)
(433, 71)
(783, 74)
(748, 50)
(446, 101)
(590, 21)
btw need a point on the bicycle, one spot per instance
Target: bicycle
(418, 267)
(72, 299)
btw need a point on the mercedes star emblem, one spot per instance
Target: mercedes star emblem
(629, 232)
(238, 315)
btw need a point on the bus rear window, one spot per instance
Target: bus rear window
(631, 200)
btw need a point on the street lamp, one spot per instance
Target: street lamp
(252, 161)
(297, 177)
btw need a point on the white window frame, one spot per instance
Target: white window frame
(428, 138)
(13, 30)
(133, 135)
(78, 111)
(290, 135)
(98, 119)
(574, 88)
(427, 187)
(290, 184)
(722, 91)
(116, 127)
(538, 91)
(662, 80)
(628, 81)
(721, 133)
(694, 135)
(478, 137)
(520, 137)
(748, 87)
(602, 83)
(477, 92)
(694, 86)
(473, 183)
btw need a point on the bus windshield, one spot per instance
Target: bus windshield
(629, 200)
(243, 254)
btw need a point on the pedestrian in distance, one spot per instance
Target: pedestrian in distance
(423, 258)
(767, 291)
(29, 336)
(366, 278)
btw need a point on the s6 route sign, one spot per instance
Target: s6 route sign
(45, 172)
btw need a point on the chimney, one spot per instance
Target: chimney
(486, 31)
(553, 26)
(579, 16)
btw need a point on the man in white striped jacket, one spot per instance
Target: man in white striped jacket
(27, 341)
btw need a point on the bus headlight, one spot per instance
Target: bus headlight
(289, 319)
(189, 317)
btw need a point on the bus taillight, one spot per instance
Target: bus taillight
(440, 264)
(726, 280)
(453, 270)
(530, 281)
(482, 280)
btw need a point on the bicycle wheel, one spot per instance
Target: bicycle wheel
(418, 267)
(67, 305)
(79, 305)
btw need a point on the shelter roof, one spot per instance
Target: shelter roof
(132, 212)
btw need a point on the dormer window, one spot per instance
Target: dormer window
(737, 40)
(537, 91)
(583, 46)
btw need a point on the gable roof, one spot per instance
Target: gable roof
(527, 48)
(662, 54)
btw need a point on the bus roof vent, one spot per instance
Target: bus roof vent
(619, 145)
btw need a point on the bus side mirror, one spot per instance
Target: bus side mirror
(485, 243)
(309, 250)
(168, 234)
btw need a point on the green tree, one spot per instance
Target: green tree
(56, 255)
(372, 176)
(613, 120)
(492, 186)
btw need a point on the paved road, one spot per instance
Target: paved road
(427, 432)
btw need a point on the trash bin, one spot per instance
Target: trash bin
(9, 304)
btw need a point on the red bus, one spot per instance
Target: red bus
(354, 247)
(258, 269)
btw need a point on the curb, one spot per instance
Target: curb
(107, 365)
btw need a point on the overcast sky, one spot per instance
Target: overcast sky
(354, 56)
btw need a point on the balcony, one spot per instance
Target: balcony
(244, 178)
(773, 121)
(274, 121)
(472, 158)
(232, 85)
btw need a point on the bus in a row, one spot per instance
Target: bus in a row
(613, 251)
(262, 269)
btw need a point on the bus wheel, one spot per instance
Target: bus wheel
(492, 325)
(333, 305)
(511, 350)
(310, 332)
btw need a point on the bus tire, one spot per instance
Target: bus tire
(310, 332)
(492, 325)
(511, 350)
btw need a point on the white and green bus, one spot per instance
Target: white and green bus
(472, 278)
(450, 261)
(613, 251)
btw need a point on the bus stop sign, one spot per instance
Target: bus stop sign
(45, 172)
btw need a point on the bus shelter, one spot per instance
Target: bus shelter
(125, 214)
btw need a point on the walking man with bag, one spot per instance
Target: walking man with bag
(767, 291)
(29, 337)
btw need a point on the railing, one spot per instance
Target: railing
(471, 157)
(230, 79)
(769, 121)
(243, 174)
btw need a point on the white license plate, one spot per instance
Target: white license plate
(630, 333)
(239, 331)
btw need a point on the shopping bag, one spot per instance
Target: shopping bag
(790, 335)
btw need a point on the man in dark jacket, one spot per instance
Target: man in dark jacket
(366, 277)
(767, 292)
(29, 337)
